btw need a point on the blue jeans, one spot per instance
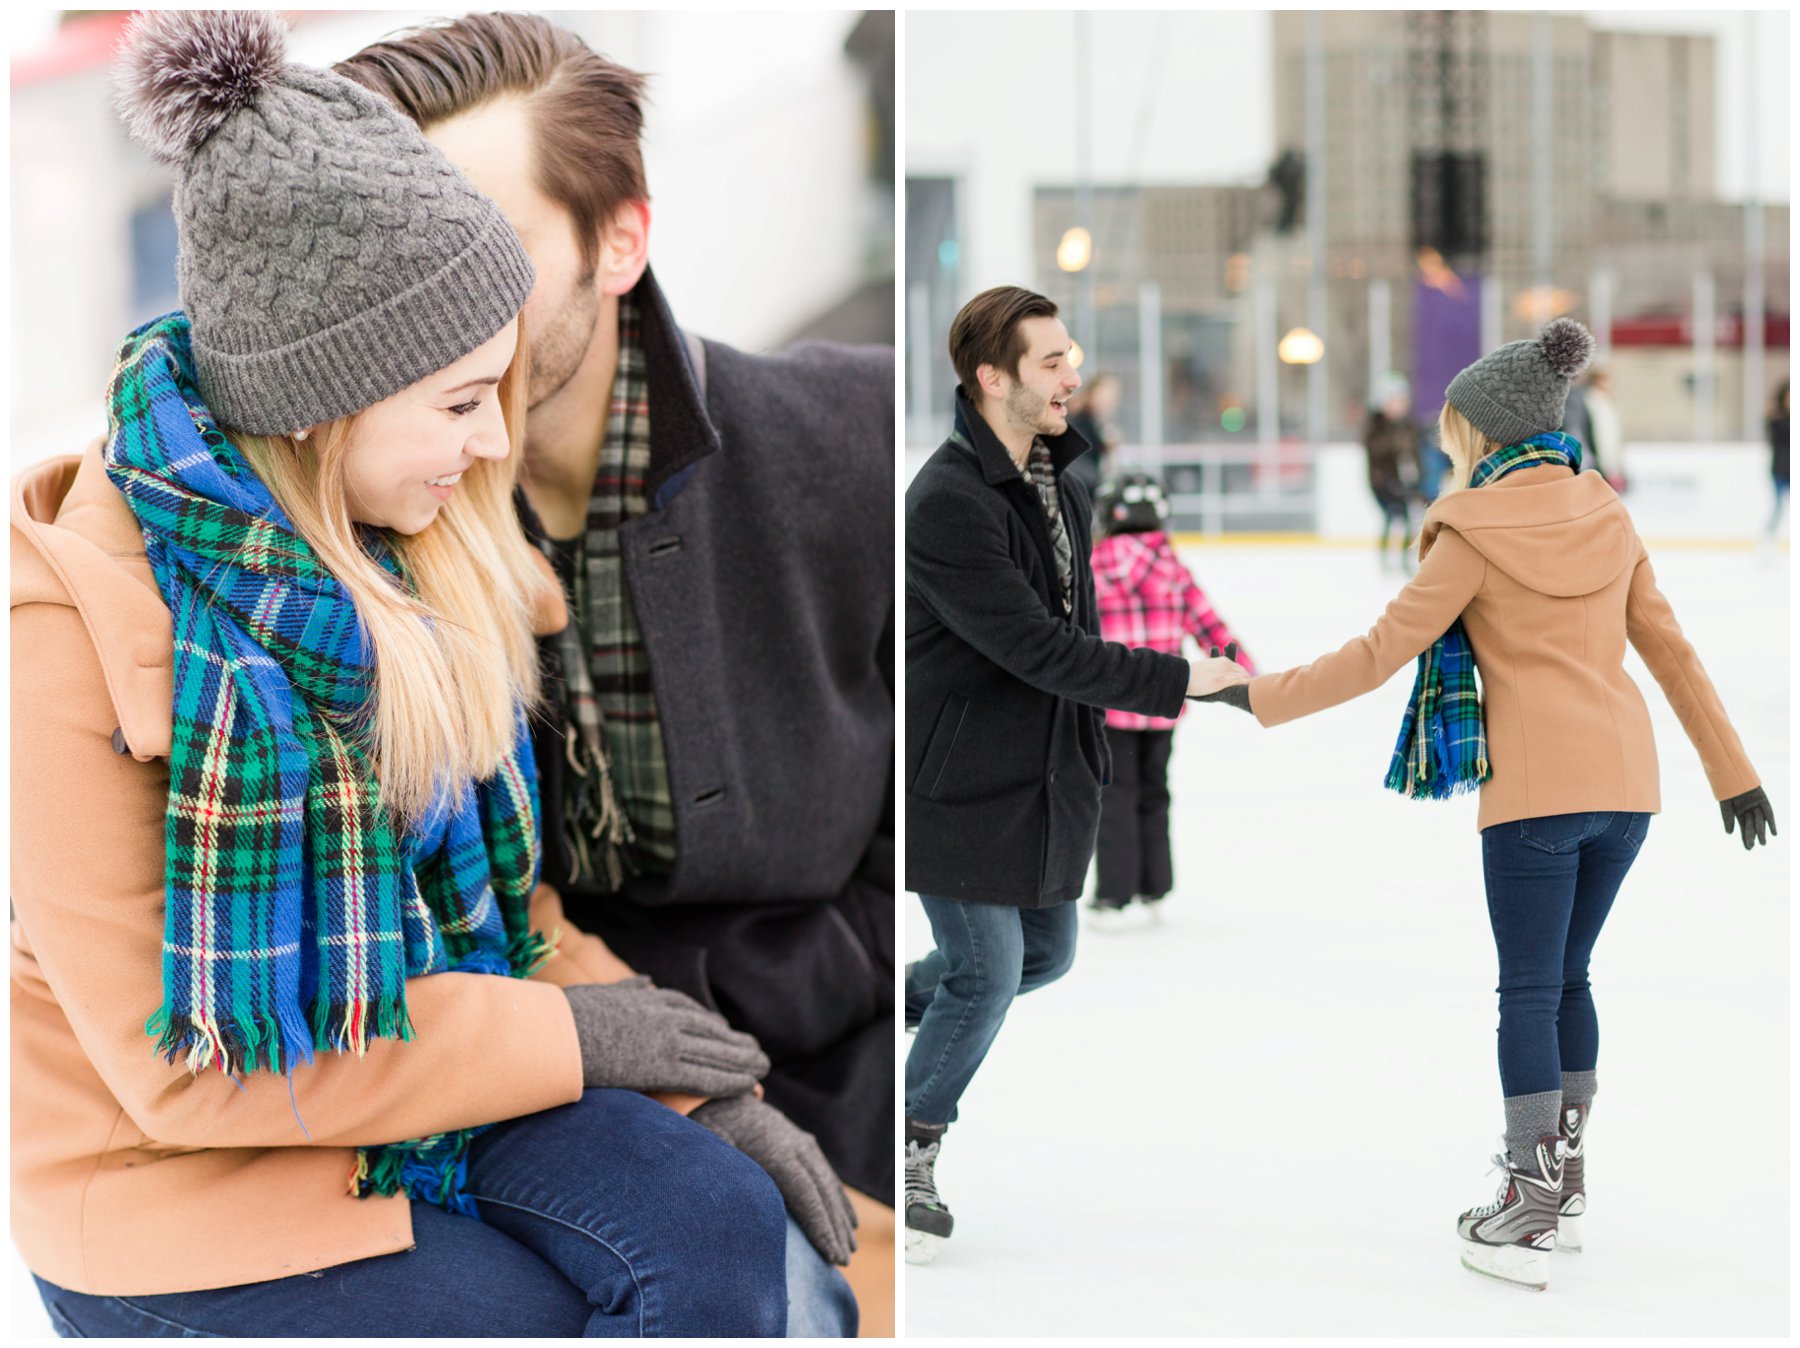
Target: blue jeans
(610, 1217)
(1550, 884)
(959, 994)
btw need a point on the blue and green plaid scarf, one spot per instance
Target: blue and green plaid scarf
(1442, 749)
(297, 908)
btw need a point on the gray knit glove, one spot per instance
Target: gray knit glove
(792, 1157)
(1753, 815)
(1233, 695)
(639, 1037)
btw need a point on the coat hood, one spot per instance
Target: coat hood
(1560, 533)
(76, 542)
(1116, 554)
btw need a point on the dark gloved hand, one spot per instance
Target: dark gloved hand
(1235, 695)
(791, 1155)
(640, 1037)
(1753, 816)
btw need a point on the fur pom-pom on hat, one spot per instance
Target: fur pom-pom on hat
(1567, 346)
(182, 73)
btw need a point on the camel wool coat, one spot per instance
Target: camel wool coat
(130, 1175)
(1551, 581)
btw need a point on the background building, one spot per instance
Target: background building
(1452, 195)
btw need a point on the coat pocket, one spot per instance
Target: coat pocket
(937, 749)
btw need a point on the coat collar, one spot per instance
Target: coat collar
(996, 464)
(681, 431)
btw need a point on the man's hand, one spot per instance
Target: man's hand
(1206, 677)
(638, 1037)
(1233, 691)
(1753, 816)
(792, 1157)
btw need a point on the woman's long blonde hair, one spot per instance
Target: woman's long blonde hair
(454, 651)
(1465, 446)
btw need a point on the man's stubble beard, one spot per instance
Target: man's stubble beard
(1029, 411)
(557, 351)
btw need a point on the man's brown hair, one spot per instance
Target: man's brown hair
(585, 112)
(986, 331)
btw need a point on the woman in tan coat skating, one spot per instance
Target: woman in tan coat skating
(1539, 576)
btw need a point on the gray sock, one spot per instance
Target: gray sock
(1528, 1118)
(1578, 1088)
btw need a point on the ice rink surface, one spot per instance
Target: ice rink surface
(1263, 1116)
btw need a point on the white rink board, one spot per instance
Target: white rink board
(1263, 1117)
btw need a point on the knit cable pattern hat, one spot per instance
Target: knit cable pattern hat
(1518, 390)
(330, 256)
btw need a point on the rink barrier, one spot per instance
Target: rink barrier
(1707, 497)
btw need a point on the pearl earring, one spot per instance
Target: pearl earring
(301, 435)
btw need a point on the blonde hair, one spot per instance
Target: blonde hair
(454, 652)
(1464, 445)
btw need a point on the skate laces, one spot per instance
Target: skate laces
(1496, 1162)
(921, 1184)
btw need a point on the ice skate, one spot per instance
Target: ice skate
(1573, 1130)
(928, 1221)
(1513, 1237)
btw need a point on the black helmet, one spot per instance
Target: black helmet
(1132, 504)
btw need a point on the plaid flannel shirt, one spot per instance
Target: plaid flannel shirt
(1148, 598)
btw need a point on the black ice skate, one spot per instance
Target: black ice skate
(1513, 1237)
(928, 1221)
(1573, 1130)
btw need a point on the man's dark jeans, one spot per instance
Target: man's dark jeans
(1550, 884)
(959, 994)
(610, 1217)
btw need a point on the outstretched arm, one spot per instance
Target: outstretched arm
(958, 564)
(1450, 576)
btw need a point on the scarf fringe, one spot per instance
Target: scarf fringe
(431, 1169)
(240, 1045)
(348, 1026)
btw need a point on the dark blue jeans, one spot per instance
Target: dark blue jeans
(1550, 884)
(959, 994)
(610, 1217)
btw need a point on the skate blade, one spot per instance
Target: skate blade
(1516, 1264)
(922, 1247)
(1568, 1232)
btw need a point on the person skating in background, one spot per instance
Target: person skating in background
(1392, 443)
(1091, 414)
(1778, 464)
(1605, 438)
(1147, 599)
(1532, 574)
(1006, 676)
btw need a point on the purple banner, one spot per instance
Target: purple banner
(1446, 336)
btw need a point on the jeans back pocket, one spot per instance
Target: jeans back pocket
(1558, 833)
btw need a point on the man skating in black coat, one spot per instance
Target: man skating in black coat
(1006, 688)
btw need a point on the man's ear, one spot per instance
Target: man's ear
(624, 248)
(988, 376)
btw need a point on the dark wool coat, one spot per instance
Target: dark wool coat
(763, 579)
(1005, 746)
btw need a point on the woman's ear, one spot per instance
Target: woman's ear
(624, 248)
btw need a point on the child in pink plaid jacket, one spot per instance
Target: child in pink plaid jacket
(1146, 598)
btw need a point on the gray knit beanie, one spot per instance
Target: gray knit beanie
(1518, 390)
(330, 255)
